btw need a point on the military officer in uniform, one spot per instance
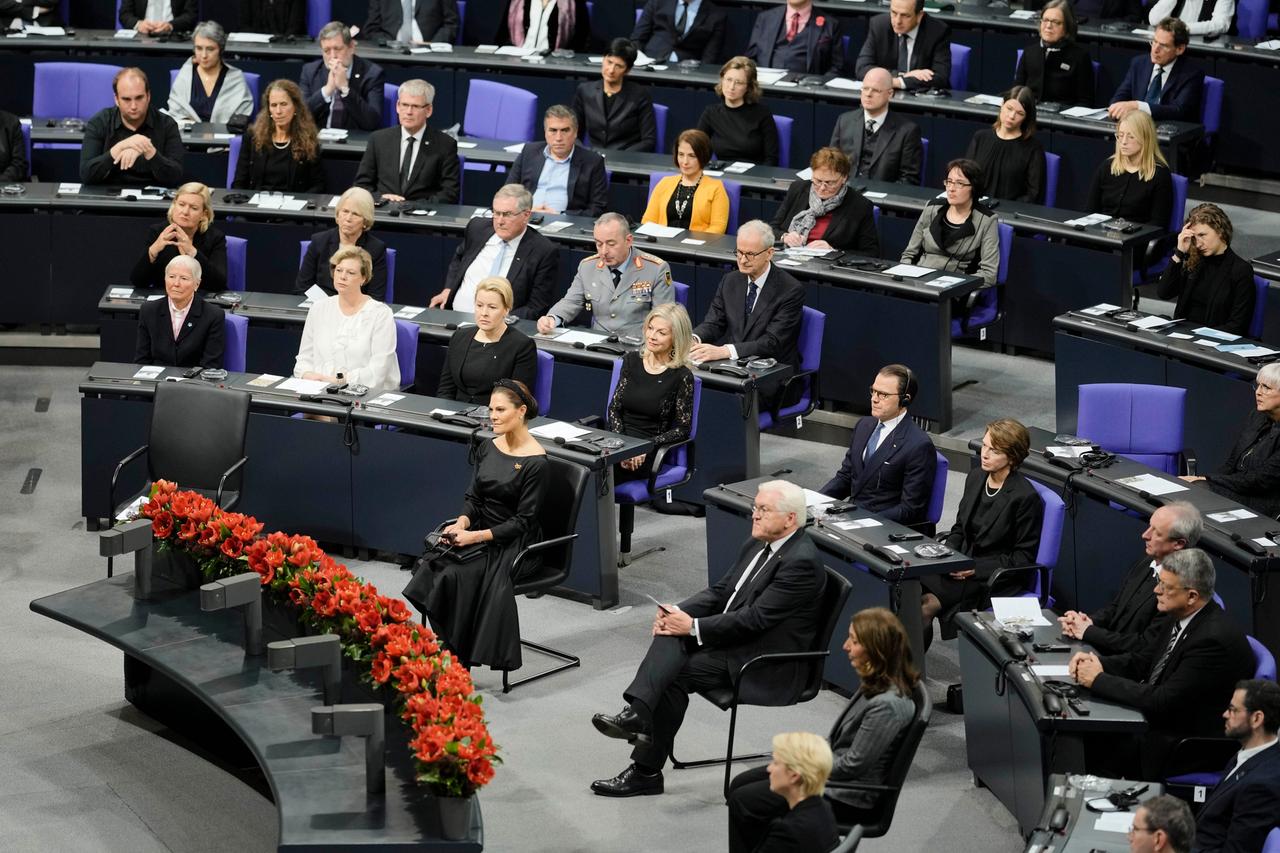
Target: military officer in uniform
(618, 285)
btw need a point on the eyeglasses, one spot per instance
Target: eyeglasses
(826, 185)
(748, 255)
(956, 185)
(406, 106)
(756, 509)
(1123, 136)
(1168, 48)
(877, 394)
(1135, 828)
(1052, 22)
(1262, 386)
(508, 214)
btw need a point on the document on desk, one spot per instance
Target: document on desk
(512, 50)
(385, 399)
(133, 509)
(1179, 336)
(1205, 331)
(737, 167)
(252, 38)
(909, 271)
(1232, 515)
(315, 293)
(1023, 15)
(332, 134)
(303, 386)
(1271, 44)
(1086, 221)
(844, 83)
(1246, 350)
(266, 380)
(1152, 322)
(858, 523)
(1052, 670)
(1018, 611)
(653, 229)
(553, 227)
(66, 188)
(578, 336)
(769, 76)
(408, 312)
(559, 429)
(1084, 112)
(120, 292)
(1151, 484)
(1099, 309)
(1114, 822)
(944, 281)
(985, 100)
(812, 498)
(1070, 452)
(514, 148)
(151, 371)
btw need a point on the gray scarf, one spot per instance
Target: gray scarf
(804, 221)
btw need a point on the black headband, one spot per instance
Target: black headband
(511, 385)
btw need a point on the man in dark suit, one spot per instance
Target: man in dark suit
(1162, 824)
(1245, 806)
(614, 112)
(767, 603)
(756, 310)
(676, 30)
(891, 462)
(880, 144)
(1182, 679)
(563, 176)
(504, 246)
(413, 161)
(1162, 84)
(180, 17)
(433, 20)
(797, 37)
(914, 46)
(1129, 621)
(42, 13)
(180, 330)
(342, 89)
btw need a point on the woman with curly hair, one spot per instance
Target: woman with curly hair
(1213, 285)
(280, 150)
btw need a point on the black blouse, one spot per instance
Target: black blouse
(211, 252)
(504, 494)
(201, 103)
(1251, 474)
(1063, 73)
(472, 366)
(1219, 292)
(654, 406)
(1014, 168)
(1129, 197)
(676, 219)
(741, 133)
(277, 17)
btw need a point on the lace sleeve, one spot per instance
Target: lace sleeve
(615, 402)
(677, 412)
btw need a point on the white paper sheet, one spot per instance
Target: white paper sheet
(120, 292)
(553, 227)
(252, 38)
(385, 399)
(844, 83)
(986, 100)
(462, 143)
(805, 174)
(1265, 542)
(1180, 336)
(265, 380)
(1018, 611)
(653, 229)
(68, 188)
(859, 523)
(1232, 515)
(1086, 221)
(909, 271)
(303, 386)
(769, 76)
(812, 498)
(944, 281)
(737, 167)
(1151, 484)
(133, 508)
(1069, 452)
(512, 50)
(693, 241)
(1205, 331)
(151, 371)
(1052, 670)
(1083, 112)
(575, 336)
(1152, 322)
(874, 194)
(514, 148)
(408, 312)
(1099, 309)
(34, 30)
(126, 34)
(1114, 822)
(1250, 351)
(559, 429)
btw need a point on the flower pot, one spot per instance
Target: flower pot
(455, 817)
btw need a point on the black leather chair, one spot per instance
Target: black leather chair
(558, 516)
(834, 595)
(904, 754)
(196, 439)
(851, 841)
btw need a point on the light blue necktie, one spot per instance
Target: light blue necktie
(406, 25)
(496, 269)
(874, 441)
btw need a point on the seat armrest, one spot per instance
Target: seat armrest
(115, 477)
(226, 475)
(786, 386)
(773, 657)
(590, 420)
(1033, 567)
(538, 547)
(1189, 462)
(659, 455)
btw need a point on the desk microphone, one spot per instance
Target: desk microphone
(452, 327)
(1013, 646)
(1059, 461)
(1061, 817)
(1052, 703)
(1249, 545)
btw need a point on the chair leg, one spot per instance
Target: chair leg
(728, 758)
(570, 661)
(626, 524)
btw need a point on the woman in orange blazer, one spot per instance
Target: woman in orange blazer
(690, 199)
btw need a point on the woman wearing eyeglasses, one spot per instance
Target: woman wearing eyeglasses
(1251, 474)
(206, 88)
(824, 212)
(1213, 285)
(956, 234)
(690, 199)
(740, 127)
(1010, 155)
(1134, 183)
(1057, 68)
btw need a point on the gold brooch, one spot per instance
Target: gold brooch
(516, 466)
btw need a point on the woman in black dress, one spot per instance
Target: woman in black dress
(1011, 157)
(189, 232)
(1057, 67)
(470, 603)
(281, 151)
(740, 127)
(998, 525)
(491, 350)
(824, 213)
(1134, 183)
(354, 216)
(1213, 285)
(276, 17)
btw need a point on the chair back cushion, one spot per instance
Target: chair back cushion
(558, 516)
(197, 433)
(904, 754)
(236, 335)
(1050, 526)
(1140, 422)
(542, 381)
(939, 494)
(72, 89)
(407, 351)
(1264, 660)
(500, 111)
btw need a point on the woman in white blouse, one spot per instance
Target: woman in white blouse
(350, 337)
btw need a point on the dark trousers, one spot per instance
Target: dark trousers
(752, 807)
(673, 668)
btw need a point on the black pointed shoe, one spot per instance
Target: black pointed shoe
(629, 783)
(624, 725)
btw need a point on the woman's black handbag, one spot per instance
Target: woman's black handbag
(439, 548)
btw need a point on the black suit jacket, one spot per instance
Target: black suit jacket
(1130, 619)
(185, 14)
(514, 356)
(278, 17)
(1196, 684)
(773, 330)
(437, 19)
(10, 9)
(588, 189)
(809, 827)
(896, 481)
(533, 273)
(777, 611)
(1012, 536)
(853, 223)
(363, 103)
(211, 252)
(823, 48)
(199, 343)
(436, 175)
(1179, 96)
(315, 263)
(1252, 479)
(13, 150)
(1243, 808)
(631, 126)
(1074, 84)
(932, 50)
(305, 176)
(703, 40)
(896, 149)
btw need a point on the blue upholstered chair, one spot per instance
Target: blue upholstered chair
(1052, 170)
(733, 189)
(1041, 581)
(407, 351)
(784, 125)
(937, 497)
(462, 20)
(672, 467)
(72, 89)
(233, 157)
(390, 94)
(235, 333)
(542, 381)
(319, 13)
(237, 250)
(660, 112)
(681, 293)
(1272, 844)
(1139, 422)
(1177, 215)
(499, 111)
(1251, 19)
(986, 308)
(1211, 106)
(1259, 307)
(26, 144)
(250, 79)
(960, 66)
(812, 324)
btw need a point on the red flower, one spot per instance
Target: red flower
(396, 610)
(381, 668)
(231, 546)
(188, 531)
(162, 524)
(324, 603)
(209, 536)
(368, 618)
(479, 772)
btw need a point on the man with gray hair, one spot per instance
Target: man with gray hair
(411, 162)
(756, 310)
(1130, 621)
(1162, 824)
(180, 330)
(766, 603)
(342, 89)
(563, 176)
(616, 287)
(1182, 679)
(504, 246)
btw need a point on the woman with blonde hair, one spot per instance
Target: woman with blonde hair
(690, 199)
(799, 769)
(354, 218)
(739, 126)
(1213, 285)
(480, 355)
(188, 231)
(281, 149)
(1135, 182)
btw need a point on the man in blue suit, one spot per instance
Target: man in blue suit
(797, 37)
(891, 462)
(1163, 85)
(1245, 806)
(342, 89)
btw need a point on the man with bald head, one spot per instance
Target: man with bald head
(131, 144)
(881, 145)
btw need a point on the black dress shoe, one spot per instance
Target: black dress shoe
(629, 783)
(624, 725)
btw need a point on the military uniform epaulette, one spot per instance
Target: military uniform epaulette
(645, 256)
